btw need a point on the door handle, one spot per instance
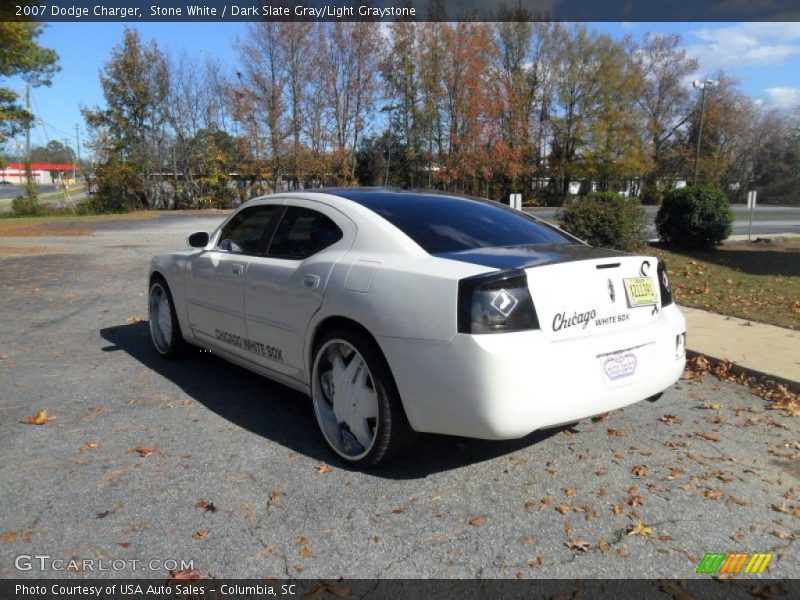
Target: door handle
(237, 269)
(310, 281)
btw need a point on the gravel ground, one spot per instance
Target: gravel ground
(198, 460)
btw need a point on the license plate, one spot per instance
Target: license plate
(619, 365)
(640, 291)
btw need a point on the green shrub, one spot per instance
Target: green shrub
(651, 196)
(119, 188)
(695, 217)
(27, 206)
(606, 219)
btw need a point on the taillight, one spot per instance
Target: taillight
(663, 284)
(496, 303)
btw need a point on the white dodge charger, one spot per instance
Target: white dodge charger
(402, 312)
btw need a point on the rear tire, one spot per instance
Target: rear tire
(356, 403)
(165, 331)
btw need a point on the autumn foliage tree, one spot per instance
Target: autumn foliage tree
(539, 108)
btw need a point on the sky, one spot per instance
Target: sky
(765, 57)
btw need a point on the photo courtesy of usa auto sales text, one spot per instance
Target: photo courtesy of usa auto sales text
(169, 589)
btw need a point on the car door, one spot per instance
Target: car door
(215, 277)
(285, 288)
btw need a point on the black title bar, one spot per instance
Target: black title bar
(77, 588)
(400, 10)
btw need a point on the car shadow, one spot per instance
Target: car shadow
(286, 416)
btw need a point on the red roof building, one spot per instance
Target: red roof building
(42, 173)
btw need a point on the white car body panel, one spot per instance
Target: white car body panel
(493, 386)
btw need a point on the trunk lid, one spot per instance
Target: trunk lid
(595, 296)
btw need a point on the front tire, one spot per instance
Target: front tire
(355, 399)
(165, 331)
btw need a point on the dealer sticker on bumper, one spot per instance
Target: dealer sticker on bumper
(619, 365)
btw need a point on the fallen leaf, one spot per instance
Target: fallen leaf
(110, 511)
(40, 418)
(142, 451)
(581, 545)
(675, 473)
(206, 505)
(185, 574)
(711, 405)
(302, 541)
(601, 471)
(397, 511)
(563, 509)
(306, 552)
(603, 546)
(88, 446)
(738, 537)
(600, 417)
(738, 501)
(569, 492)
(273, 497)
(134, 319)
(529, 505)
(711, 437)
(200, 534)
(665, 537)
(537, 562)
(639, 470)
(712, 494)
(323, 468)
(635, 501)
(782, 534)
(639, 528)
(478, 521)
(617, 510)
(671, 420)
(613, 431)
(547, 500)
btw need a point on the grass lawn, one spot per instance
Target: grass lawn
(756, 281)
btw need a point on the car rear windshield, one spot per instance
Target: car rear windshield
(450, 224)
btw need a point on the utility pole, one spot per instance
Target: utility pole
(28, 175)
(702, 86)
(66, 146)
(78, 143)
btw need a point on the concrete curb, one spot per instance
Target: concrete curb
(739, 370)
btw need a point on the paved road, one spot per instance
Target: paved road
(207, 431)
(766, 219)
(12, 191)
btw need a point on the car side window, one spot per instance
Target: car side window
(247, 231)
(301, 233)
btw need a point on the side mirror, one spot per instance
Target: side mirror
(198, 239)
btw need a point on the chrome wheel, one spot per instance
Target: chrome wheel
(160, 313)
(345, 399)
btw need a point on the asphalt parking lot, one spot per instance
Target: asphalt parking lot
(198, 460)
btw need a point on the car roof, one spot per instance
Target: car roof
(373, 197)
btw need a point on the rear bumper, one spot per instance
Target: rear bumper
(504, 386)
